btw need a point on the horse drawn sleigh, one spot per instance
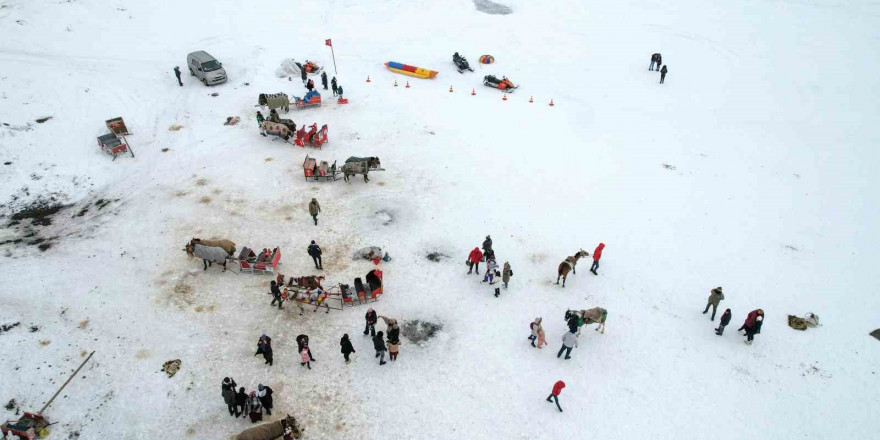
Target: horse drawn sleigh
(222, 251)
(313, 138)
(115, 142)
(320, 171)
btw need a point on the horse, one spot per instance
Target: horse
(359, 165)
(211, 251)
(309, 282)
(277, 129)
(273, 101)
(568, 266)
(286, 428)
(584, 317)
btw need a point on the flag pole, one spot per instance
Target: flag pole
(333, 53)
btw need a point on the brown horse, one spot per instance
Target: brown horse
(309, 282)
(568, 266)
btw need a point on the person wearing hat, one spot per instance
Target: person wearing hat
(347, 348)
(752, 324)
(275, 291)
(725, 319)
(314, 209)
(265, 395)
(315, 252)
(715, 297)
(371, 318)
(260, 120)
(228, 393)
(487, 247)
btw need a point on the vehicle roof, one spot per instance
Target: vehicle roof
(201, 55)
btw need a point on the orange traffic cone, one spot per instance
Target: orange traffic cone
(504, 98)
(368, 78)
(450, 89)
(473, 92)
(395, 83)
(407, 84)
(531, 99)
(551, 103)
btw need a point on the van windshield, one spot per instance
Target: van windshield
(211, 65)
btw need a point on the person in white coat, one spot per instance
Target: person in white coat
(569, 341)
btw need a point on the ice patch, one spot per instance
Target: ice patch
(490, 7)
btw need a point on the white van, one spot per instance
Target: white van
(206, 68)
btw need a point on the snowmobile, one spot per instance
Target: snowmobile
(461, 63)
(503, 84)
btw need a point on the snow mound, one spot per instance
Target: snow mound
(490, 7)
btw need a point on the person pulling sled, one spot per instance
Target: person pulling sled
(461, 63)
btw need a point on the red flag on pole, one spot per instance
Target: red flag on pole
(328, 43)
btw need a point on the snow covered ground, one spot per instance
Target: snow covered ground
(752, 168)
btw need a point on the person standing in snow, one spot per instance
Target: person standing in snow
(314, 209)
(302, 342)
(597, 255)
(379, 345)
(491, 267)
(275, 291)
(542, 340)
(569, 341)
(333, 86)
(315, 252)
(663, 74)
(264, 347)
(534, 326)
(339, 90)
(391, 328)
(265, 395)
(255, 408)
(496, 282)
(310, 84)
(241, 403)
(487, 247)
(715, 297)
(725, 319)
(324, 80)
(347, 348)
(177, 74)
(506, 273)
(303, 72)
(393, 349)
(371, 318)
(304, 354)
(260, 120)
(474, 259)
(228, 393)
(752, 324)
(656, 59)
(557, 389)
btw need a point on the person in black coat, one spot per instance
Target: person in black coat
(347, 348)
(324, 79)
(333, 86)
(303, 71)
(663, 74)
(228, 393)
(241, 402)
(264, 346)
(379, 345)
(656, 59)
(371, 318)
(339, 90)
(302, 341)
(394, 334)
(725, 319)
(315, 252)
(310, 85)
(265, 395)
(276, 294)
(177, 74)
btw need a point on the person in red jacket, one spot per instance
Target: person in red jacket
(557, 388)
(474, 260)
(597, 254)
(752, 325)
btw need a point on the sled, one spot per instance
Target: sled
(262, 263)
(320, 171)
(413, 71)
(313, 138)
(114, 144)
(312, 99)
(311, 68)
(503, 84)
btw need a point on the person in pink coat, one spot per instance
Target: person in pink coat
(541, 339)
(304, 354)
(597, 255)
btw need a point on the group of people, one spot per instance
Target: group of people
(495, 278)
(243, 404)
(751, 326)
(657, 60)
(310, 85)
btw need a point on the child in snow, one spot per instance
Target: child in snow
(496, 281)
(304, 354)
(255, 408)
(260, 120)
(339, 89)
(371, 318)
(542, 341)
(393, 348)
(491, 267)
(535, 326)
(725, 319)
(557, 389)
(347, 348)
